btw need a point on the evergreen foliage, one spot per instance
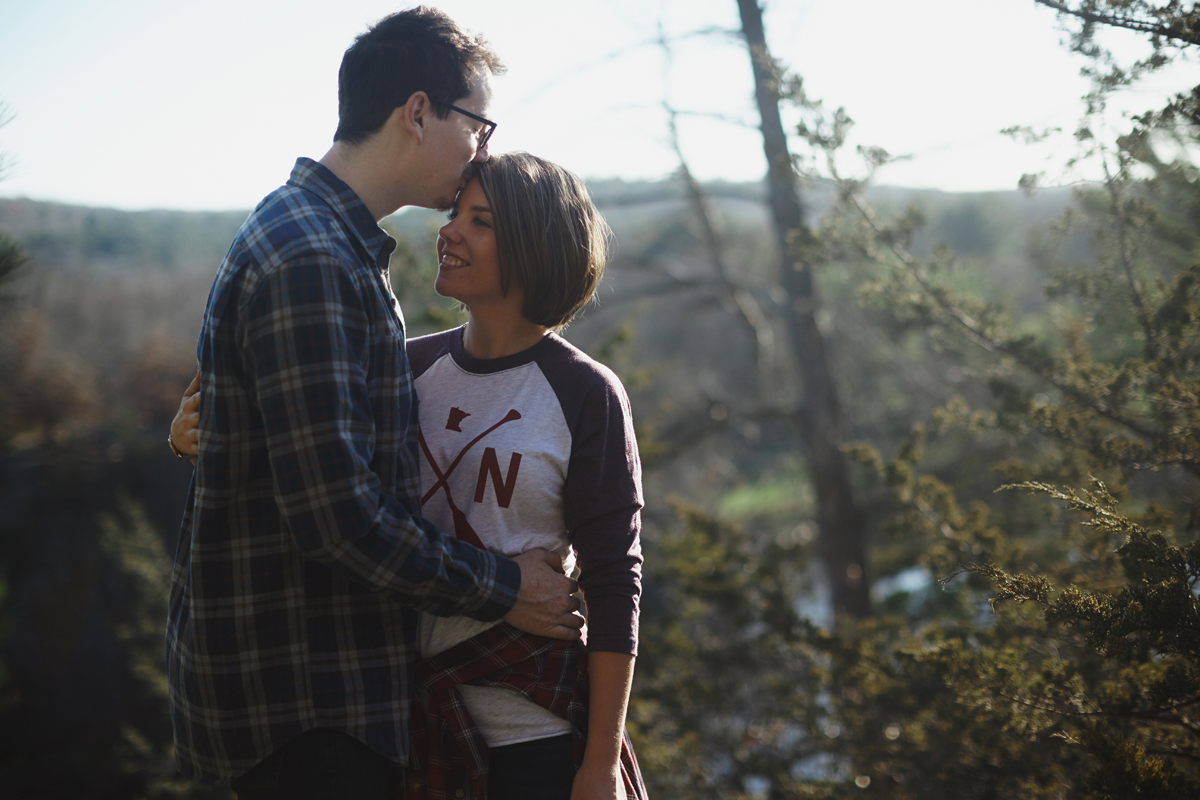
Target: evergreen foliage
(1059, 656)
(89, 504)
(1044, 529)
(12, 257)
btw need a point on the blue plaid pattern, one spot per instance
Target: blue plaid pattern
(302, 557)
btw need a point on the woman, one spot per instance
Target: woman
(527, 443)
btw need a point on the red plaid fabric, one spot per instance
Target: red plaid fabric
(450, 757)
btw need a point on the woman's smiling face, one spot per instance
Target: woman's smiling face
(468, 267)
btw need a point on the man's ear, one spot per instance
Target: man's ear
(415, 114)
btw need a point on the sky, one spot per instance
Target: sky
(150, 104)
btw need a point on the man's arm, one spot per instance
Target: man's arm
(545, 605)
(305, 339)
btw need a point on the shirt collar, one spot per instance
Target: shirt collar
(318, 179)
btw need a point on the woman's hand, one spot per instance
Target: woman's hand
(598, 783)
(185, 428)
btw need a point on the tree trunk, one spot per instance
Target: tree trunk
(839, 521)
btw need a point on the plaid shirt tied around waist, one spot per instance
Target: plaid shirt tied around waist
(450, 756)
(303, 559)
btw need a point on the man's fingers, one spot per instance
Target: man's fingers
(547, 605)
(194, 386)
(553, 560)
(564, 632)
(556, 626)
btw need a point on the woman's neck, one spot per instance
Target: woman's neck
(497, 335)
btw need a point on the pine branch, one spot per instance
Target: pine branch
(1118, 210)
(1185, 30)
(1156, 751)
(1148, 714)
(977, 334)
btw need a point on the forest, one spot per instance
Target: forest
(921, 468)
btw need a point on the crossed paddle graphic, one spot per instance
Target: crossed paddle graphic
(462, 528)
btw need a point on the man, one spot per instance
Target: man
(302, 560)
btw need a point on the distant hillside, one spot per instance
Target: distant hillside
(58, 236)
(99, 240)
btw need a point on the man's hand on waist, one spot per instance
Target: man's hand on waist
(546, 605)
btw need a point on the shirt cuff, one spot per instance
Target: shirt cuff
(505, 588)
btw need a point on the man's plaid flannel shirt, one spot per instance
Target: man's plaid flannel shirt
(450, 756)
(302, 558)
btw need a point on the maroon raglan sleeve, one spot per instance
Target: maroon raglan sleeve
(602, 498)
(424, 350)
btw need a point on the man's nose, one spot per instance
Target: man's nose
(481, 153)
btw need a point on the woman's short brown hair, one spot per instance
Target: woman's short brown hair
(550, 239)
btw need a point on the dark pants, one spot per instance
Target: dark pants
(543, 769)
(320, 764)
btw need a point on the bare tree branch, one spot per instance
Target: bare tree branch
(695, 428)
(748, 310)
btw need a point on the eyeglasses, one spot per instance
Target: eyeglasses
(484, 133)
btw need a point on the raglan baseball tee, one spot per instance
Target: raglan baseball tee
(531, 450)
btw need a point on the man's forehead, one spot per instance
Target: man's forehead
(480, 96)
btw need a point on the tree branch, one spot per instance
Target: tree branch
(1179, 32)
(987, 342)
(748, 310)
(1126, 261)
(693, 430)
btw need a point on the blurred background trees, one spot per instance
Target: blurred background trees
(1039, 640)
(1023, 648)
(91, 355)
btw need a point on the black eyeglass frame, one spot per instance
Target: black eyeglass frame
(491, 126)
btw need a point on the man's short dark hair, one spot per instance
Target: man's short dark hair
(416, 50)
(551, 241)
